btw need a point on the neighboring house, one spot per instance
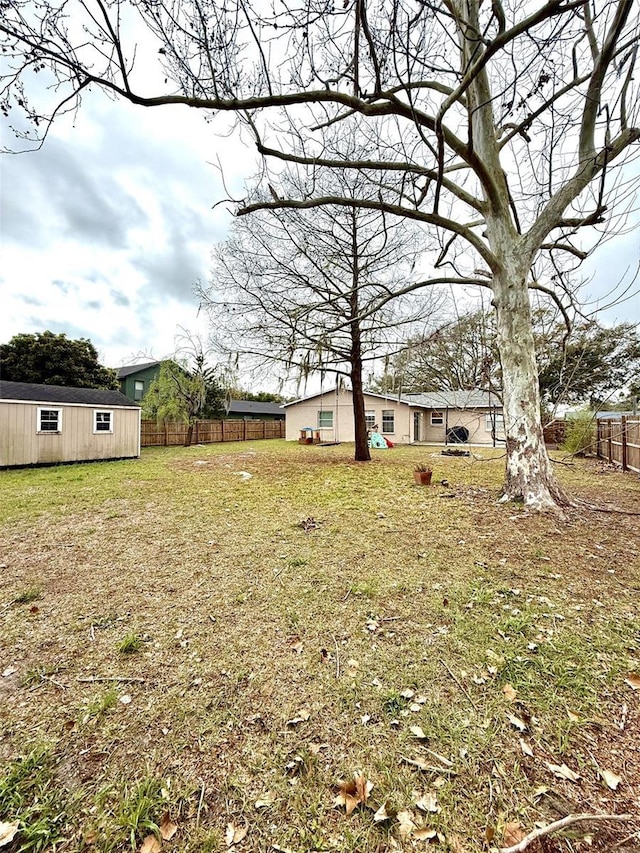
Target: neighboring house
(136, 378)
(439, 417)
(50, 424)
(251, 410)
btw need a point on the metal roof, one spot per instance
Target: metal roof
(31, 393)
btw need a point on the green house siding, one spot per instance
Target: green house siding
(145, 376)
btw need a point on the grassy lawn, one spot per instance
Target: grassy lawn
(191, 652)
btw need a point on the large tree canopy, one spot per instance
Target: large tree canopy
(501, 126)
(48, 359)
(322, 290)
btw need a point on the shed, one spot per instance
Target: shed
(440, 417)
(51, 424)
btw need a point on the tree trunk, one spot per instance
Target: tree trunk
(363, 454)
(187, 441)
(529, 478)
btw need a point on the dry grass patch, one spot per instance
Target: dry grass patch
(219, 651)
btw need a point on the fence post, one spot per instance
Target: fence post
(609, 442)
(244, 427)
(222, 429)
(624, 442)
(166, 436)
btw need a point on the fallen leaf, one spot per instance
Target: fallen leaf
(428, 802)
(167, 827)
(405, 819)
(517, 722)
(300, 716)
(526, 749)
(8, 831)
(633, 681)
(150, 845)
(509, 692)
(540, 791)
(425, 834)
(407, 693)
(417, 731)
(415, 707)
(125, 699)
(10, 670)
(611, 779)
(354, 792)
(575, 718)
(489, 834)
(352, 666)
(382, 814)
(513, 834)
(266, 799)
(235, 834)
(297, 647)
(563, 772)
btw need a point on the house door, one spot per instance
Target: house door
(416, 426)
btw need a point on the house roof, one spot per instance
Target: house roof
(129, 369)
(431, 400)
(454, 399)
(253, 407)
(29, 392)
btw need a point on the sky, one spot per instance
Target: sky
(106, 229)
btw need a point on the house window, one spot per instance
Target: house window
(388, 420)
(370, 419)
(138, 389)
(103, 421)
(437, 418)
(325, 420)
(50, 420)
(491, 419)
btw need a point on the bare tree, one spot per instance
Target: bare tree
(317, 291)
(505, 124)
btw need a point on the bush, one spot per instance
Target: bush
(579, 437)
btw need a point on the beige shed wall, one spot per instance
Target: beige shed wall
(22, 444)
(305, 414)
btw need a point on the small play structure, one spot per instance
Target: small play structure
(310, 436)
(377, 441)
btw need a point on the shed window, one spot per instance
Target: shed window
(103, 421)
(370, 419)
(437, 418)
(325, 420)
(388, 420)
(49, 420)
(138, 389)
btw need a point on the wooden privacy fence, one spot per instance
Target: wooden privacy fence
(208, 432)
(619, 442)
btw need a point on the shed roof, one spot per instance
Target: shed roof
(253, 407)
(129, 369)
(31, 393)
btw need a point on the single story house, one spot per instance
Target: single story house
(135, 379)
(439, 417)
(252, 410)
(50, 424)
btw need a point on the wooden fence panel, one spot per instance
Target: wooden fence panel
(618, 441)
(209, 432)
